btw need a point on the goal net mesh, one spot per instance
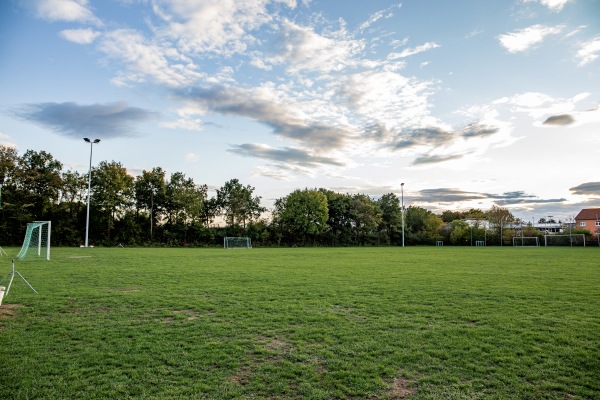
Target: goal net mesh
(237, 243)
(36, 244)
(564, 240)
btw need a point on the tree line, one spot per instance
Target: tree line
(153, 209)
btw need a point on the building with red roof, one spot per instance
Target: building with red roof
(589, 219)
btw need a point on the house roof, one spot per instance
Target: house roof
(588, 213)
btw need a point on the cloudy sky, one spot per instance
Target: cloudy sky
(470, 103)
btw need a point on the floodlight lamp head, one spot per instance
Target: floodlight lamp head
(87, 140)
(97, 141)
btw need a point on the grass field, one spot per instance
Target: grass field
(343, 323)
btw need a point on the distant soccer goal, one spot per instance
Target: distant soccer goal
(37, 241)
(577, 239)
(526, 241)
(237, 243)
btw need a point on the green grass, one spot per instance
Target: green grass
(351, 323)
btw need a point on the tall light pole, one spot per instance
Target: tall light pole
(402, 197)
(87, 218)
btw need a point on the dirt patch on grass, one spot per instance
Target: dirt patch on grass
(401, 388)
(190, 315)
(277, 345)
(9, 310)
(274, 345)
(128, 290)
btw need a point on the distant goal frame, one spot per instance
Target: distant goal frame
(522, 239)
(237, 242)
(571, 235)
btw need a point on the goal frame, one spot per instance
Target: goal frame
(569, 235)
(240, 239)
(522, 239)
(36, 228)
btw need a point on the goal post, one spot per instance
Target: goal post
(526, 241)
(37, 241)
(574, 239)
(230, 242)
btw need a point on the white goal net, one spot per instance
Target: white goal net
(577, 239)
(237, 243)
(37, 241)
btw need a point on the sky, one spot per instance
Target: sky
(469, 103)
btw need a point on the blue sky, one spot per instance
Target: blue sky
(469, 103)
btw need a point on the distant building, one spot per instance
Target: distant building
(589, 219)
(478, 223)
(549, 227)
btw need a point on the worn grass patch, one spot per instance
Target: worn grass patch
(352, 323)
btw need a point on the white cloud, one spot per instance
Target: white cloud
(145, 58)
(474, 33)
(589, 51)
(387, 13)
(553, 5)
(386, 97)
(190, 124)
(191, 157)
(79, 36)
(527, 100)
(539, 105)
(524, 39)
(301, 48)
(64, 10)
(415, 50)
(5, 140)
(219, 26)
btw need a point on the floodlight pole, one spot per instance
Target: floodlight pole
(87, 218)
(402, 197)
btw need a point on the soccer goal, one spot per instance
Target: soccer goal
(37, 241)
(526, 241)
(237, 243)
(577, 239)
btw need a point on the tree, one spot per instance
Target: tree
(499, 218)
(421, 225)
(150, 194)
(366, 216)
(73, 191)
(496, 215)
(449, 216)
(474, 213)
(210, 210)
(9, 160)
(38, 178)
(112, 191)
(341, 217)
(237, 204)
(12, 209)
(185, 199)
(304, 213)
(460, 232)
(391, 216)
